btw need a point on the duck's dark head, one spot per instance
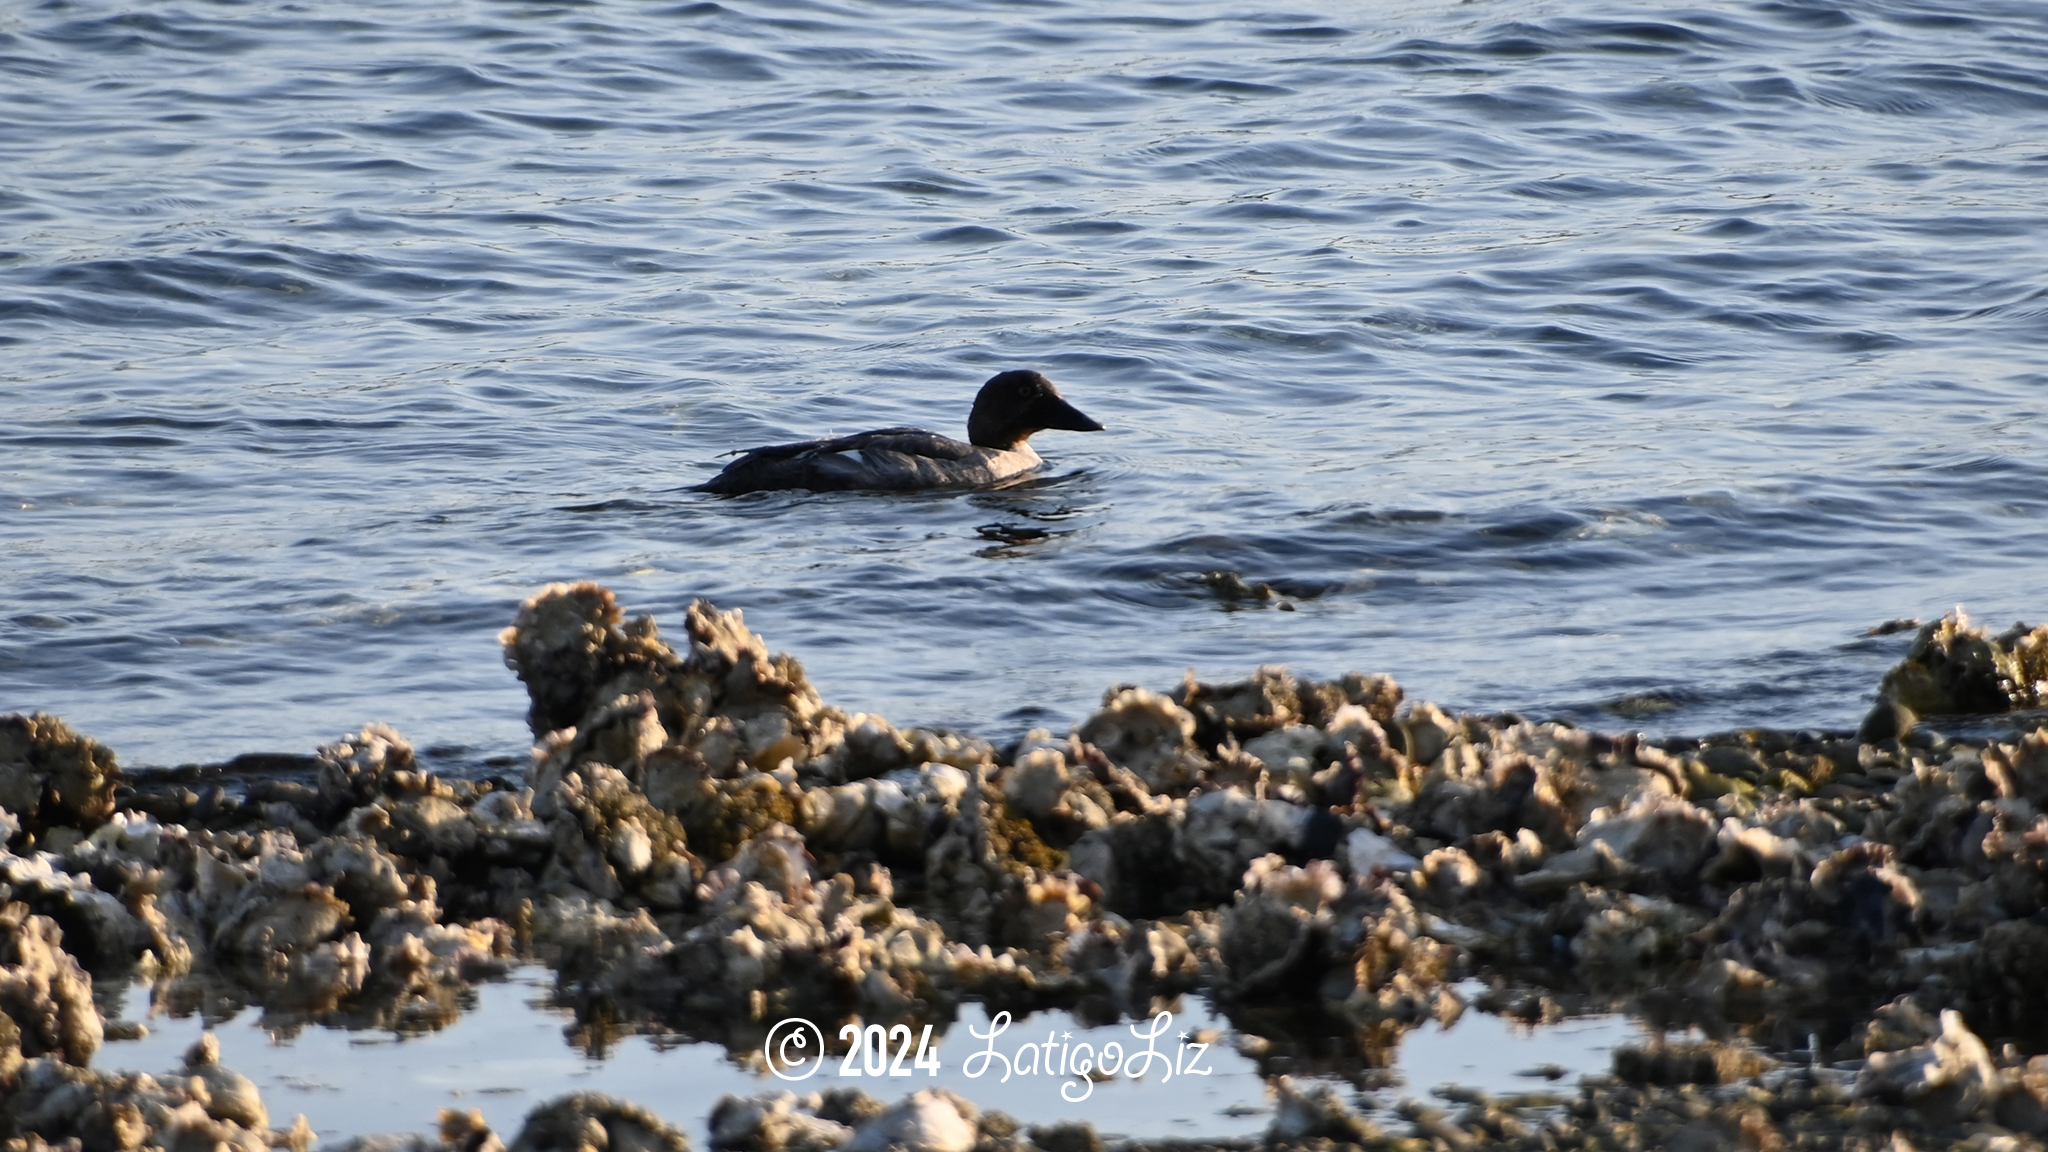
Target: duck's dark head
(1013, 405)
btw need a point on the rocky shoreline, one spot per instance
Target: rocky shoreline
(1856, 923)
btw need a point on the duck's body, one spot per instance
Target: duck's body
(885, 460)
(1010, 407)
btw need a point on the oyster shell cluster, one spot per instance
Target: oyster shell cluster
(1855, 924)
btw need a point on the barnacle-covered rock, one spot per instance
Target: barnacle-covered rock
(229, 1095)
(928, 1120)
(569, 648)
(1452, 874)
(358, 769)
(1663, 841)
(1689, 1062)
(890, 814)
(1317, 1113)
(1398, 970)
(1626, 937)
(44, 991)
(1225, 830)
(595, 1122)
(1274, 933)
(1948, 1078)
(774, 939)
(1036, 782)
(54, 1104)
(609, 839)
(700, 845)
(1149, 734)
(1292, 755)
(52, 777)
(1954, 668)
(1133, 863)
(774, 1122)
(99, 929)
(1269, 700)
(977, 869)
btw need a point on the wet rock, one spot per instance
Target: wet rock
(1134, 864)
(774, 940)
(776, 1122)
(977, 870)
(1700, 1062)
(1901, 1024)
(1367, 851)
(594, 1122)
(1317, 1113)
(1451, 874)
(54, 1103)
(2019, 771)
(609, 838)
(1949, 1078)
(891, 814)
(1629, 936)
(358, 769)
(1662, 840)
(1273, 934)
(229, 1096)
(1887, 719)
(1149, 734)
(1225, 830)
(52, 777)
(1242, 710)
(1072, 1136)
(568, 646)
(1954, 668)
(928, 1120)
(44, 991)
(1037, 780)
(289, 922)
(702, 845)
(1397, 970)
(1291, 755)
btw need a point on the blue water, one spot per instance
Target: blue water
(1546, 355)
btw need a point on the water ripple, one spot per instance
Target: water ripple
(1540, 354)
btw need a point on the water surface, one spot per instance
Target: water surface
(1615, 360)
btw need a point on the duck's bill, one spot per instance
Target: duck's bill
(1055, 412)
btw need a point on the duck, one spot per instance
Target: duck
(1008, 411)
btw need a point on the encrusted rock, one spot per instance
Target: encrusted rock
(1317, 1113)
(594, 1122)
(775, 1122)
(44, 991)
(928, 1120)
(1948, 1078)
(1147, 733)
(52, 777)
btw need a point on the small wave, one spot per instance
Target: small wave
(430, 125)
(433, 79)
(139, 31)
(1089, 228)
(968, 234)
(1208, 84)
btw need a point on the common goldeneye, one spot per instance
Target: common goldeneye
(1010, 407)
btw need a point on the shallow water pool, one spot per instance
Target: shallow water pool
(510, 1053)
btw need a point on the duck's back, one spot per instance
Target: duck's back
(888, 460)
